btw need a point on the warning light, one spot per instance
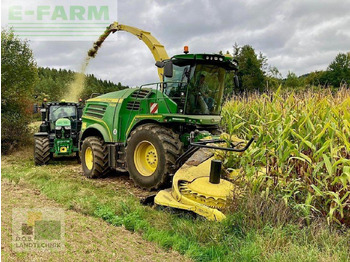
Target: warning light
(45, 100)
(186, 49)
(80, 100)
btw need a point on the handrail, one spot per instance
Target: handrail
(231, 148)
(164, 83)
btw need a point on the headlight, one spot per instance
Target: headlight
(67, 131)
(58, 131)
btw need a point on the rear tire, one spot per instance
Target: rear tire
(42, 153)
(94, 157)
(151, 153)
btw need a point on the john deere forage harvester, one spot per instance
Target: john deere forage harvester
(152, 131)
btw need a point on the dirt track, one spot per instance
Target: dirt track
(87, 238)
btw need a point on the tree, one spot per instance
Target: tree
(273, 78)
(317, 78)
(251, 68)
(54, 84)
(292, 81)
(18, 77)
(338, 71)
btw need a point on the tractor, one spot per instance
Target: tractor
(152, 131)
(59, 131)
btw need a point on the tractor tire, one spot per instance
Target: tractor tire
(94, 157)
(42, 153)
(151, 153)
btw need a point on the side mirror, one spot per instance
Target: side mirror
(168, 69)
(236, 81)
(160, 64)
(80, 112)
(43, 114)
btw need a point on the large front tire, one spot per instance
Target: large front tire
(151, 153)
(42, 151)
(94, 157)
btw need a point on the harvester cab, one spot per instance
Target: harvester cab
(59, 131)
(164, 131)
(196, 82)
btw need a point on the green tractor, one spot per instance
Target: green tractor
(59, 132)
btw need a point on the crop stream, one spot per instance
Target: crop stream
(77, 86)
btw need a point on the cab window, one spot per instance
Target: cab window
(58, 111)
(205, 90)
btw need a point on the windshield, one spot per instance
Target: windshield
(205, 90)
(58, 111)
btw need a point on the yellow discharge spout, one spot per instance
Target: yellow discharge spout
(156, 48)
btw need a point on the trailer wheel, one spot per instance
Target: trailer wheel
(42, 153)
(94, 157)
(151, 153)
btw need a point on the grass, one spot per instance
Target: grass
(88, 238)
(241, 237)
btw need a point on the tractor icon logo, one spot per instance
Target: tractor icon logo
(37, 229)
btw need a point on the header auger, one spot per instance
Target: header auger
(164, 130)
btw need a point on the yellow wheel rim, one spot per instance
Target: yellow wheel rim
(145, 158)
(89, 158)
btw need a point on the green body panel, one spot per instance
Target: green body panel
(110, 114)
(63, 146)
(101, 127)
(193, 119)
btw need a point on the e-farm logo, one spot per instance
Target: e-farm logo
(40, 229)
(58, 20)
(61, 13)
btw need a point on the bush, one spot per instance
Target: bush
(18, 78)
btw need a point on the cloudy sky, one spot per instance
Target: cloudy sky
(296, 35)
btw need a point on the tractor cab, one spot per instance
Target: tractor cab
(54, 113)
(66, 111)
(196, 82)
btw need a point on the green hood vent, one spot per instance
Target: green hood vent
(141, 93)
(133, 105)
(97, 111)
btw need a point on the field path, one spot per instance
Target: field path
(87, 238)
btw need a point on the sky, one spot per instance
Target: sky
(294, 35)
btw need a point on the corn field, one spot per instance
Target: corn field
(302, 149)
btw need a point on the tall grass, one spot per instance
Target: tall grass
(302, 149)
